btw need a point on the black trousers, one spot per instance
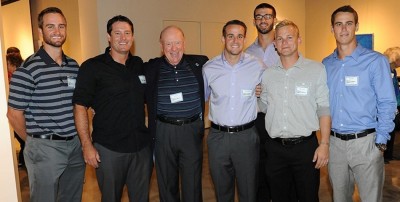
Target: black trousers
(234, 157)
(179, 152)
(119, 169)
(291, 166)
(263, 192)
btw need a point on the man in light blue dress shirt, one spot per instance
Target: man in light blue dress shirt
(363, 106)
(230, 80)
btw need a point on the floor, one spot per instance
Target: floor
(91, 191)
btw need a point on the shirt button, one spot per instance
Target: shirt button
(177, 80)
(341, 124)
(176, 72)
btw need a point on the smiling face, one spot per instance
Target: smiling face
(172, 44)
(121, 37)
(54, 31)
(234, 39)
(264, 20)
(287, 41)
(344, 28)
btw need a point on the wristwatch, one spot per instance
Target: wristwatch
(381, 147)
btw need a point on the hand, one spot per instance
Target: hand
(258, 90)
(321, 156)
(91, 155)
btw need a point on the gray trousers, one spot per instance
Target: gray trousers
(234, 157)
(356, 160)
(56, 169)
(117, 169)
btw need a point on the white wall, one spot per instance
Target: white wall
(377, 17)
(9, 180)
(148, 17)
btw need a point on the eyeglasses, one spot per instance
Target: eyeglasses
(266, 16)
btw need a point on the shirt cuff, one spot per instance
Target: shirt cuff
(380, 139)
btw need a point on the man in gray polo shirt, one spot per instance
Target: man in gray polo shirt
(40, 111)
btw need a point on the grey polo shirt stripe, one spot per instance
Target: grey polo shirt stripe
(40, 87)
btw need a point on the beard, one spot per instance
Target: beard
(266, 30)
(57, 44)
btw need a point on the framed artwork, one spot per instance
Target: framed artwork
(366, 40)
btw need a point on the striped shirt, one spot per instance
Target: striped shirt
(178, 81)
(43, 89)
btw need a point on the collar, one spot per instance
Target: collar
(355, 54)
(48, 60)
(164, 59)
(298, 63)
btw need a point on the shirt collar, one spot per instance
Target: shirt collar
(298, 63)
(48, 60)
(242, 57)
(355, 54)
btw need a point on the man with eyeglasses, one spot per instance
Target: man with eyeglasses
(264, 49)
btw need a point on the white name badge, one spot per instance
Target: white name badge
(71, 81)
(247, 93)
(177, 97)
(142, 79)
(301, 91)
(351, 81)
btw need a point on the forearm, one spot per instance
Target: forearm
(325, 129)
(17, 121)
(82, 124)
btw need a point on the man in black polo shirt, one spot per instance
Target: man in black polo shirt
(175, 102)
(112, 84)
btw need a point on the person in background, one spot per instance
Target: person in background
(230, 80)
(295, 99)
(113, 85)
(393, 55)
(264, 49)
(175, 102)
(14, 60)
(40, 111)
(363, 106)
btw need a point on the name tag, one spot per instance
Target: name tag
(142, 79)
(71, 81)
(247, 93)
(177, 97)
(301, 91)
(351, 81)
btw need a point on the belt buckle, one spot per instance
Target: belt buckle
(283, 141)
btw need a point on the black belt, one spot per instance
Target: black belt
(178, 121)
(52, 137)
(351, 136)
(294, 141)
(233, 129)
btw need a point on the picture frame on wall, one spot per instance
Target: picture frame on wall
(366, 40)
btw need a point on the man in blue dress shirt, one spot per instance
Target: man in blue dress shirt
(363, 106)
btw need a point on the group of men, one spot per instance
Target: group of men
(267, 146)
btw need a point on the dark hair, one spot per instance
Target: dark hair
(47, 11)
(118, 18)
(13, 50)
(14, 59)
(347, 9)
(234, 22)
(265, 5)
